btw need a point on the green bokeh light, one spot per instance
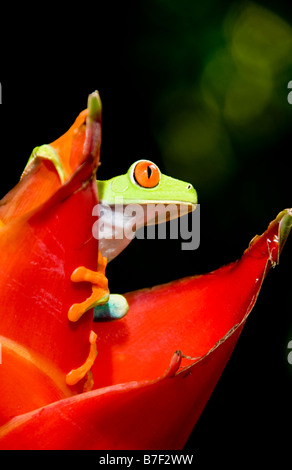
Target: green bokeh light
(217, 85)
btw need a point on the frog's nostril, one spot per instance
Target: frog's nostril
(189, 186)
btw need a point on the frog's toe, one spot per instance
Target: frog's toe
(117, 307)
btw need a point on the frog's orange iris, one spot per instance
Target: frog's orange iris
(146, 174)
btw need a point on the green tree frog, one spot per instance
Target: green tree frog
(143, 196)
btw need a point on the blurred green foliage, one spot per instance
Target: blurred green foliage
(215, 79)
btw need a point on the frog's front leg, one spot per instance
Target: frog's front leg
(113, 307)
(100, 292)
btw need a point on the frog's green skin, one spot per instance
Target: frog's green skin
(124, 192)
(167, 190)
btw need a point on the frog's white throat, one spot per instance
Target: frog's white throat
(117, 224)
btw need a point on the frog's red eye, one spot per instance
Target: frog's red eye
(146, 174)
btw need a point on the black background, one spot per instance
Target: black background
(48, 66)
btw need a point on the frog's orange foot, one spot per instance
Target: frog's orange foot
(100, 295)
(101, 263)
(100, 292)
(77, 374)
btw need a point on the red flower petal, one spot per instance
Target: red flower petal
(28, 380)
(44, 236)
(201, 315)
(191, 314)
(40, 180)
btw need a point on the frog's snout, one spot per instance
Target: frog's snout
(191, 193)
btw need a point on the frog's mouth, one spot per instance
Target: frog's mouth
(156, 212)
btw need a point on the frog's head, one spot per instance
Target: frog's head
(143, 196)
(145, 184)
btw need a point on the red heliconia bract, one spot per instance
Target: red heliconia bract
(155, 368)
(44, 227)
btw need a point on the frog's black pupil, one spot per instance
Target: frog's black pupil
(149, 171)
